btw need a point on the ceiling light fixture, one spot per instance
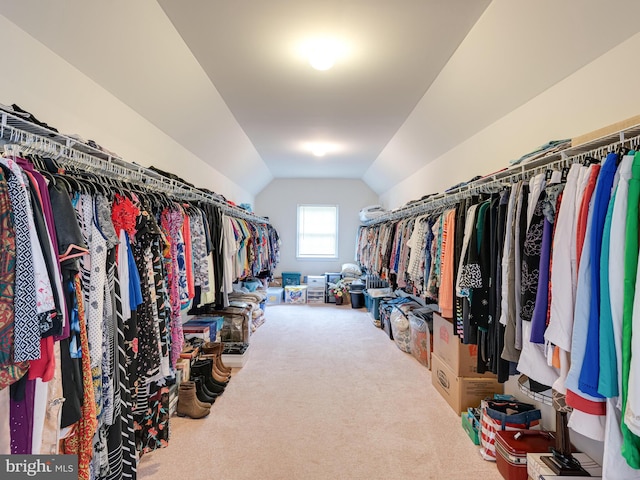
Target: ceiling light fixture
(322, 57)
(320, 149)
(322, 53)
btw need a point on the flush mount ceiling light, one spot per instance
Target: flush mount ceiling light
(320, 149)
(322, 53)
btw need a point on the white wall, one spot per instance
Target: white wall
(279, 201)
(57, 93)
(599, 94)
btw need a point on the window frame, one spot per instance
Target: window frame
(321, 257)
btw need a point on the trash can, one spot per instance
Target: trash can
(357, 298)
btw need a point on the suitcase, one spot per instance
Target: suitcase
(512, 447)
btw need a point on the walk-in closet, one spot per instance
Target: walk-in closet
(303, 240)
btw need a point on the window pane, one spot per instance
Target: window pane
(317, 230)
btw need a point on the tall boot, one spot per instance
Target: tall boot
(220, 377)
(203, 368)
(216, 348)
(221, 366)
(202, 392)
(218, 374)
(188, 405)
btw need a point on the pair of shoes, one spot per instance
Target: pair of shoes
(203, 368)
(216, 349)
(188, 403)
(218, 374)
(202, 391)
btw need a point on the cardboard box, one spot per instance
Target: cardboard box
(606, 131)
(461, 358)
(461, 393)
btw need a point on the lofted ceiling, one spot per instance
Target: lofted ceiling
(225, 78)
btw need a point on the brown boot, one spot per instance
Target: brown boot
(221, 366)
(190, 384)
(215, 348)
(188, 404)
(209, 348)
(219, 376)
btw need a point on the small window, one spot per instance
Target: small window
(317, 231)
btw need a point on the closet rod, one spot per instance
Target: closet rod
(494, 182)
(33, 138)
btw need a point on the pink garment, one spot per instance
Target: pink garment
(171, 223)
(188, 256)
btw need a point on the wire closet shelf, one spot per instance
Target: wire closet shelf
(494, 182)
(33, 138)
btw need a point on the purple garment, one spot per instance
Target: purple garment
(539, 318)
(21, 420)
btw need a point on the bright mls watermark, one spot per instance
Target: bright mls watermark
(46, 467)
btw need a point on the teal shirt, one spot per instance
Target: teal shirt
(608, 377)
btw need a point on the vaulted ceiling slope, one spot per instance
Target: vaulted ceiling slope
(225, 78)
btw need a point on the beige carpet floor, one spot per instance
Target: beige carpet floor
(324, 395)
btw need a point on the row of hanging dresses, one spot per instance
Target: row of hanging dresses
(373, 248)
(569, 318)
(410, 253)
(399, 258)
(591, 346)
(94, 282)
(235, 249)
(546, 287)
(247, 248)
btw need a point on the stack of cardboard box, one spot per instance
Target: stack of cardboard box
(454, 370)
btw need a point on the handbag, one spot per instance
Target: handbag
(504, 415)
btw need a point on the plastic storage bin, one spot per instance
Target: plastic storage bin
(315, 296)
(316, 281)
(377, 295)
(331, 277)
(290, 278)
(274, 295)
